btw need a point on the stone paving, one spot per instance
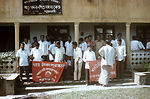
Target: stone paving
(75, 88)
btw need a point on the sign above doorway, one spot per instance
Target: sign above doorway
(42, 7)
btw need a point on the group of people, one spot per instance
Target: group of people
(75, 54)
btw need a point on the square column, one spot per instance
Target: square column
(76, 27)
(16, 36)
(128, 44)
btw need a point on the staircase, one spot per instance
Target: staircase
(64, 84)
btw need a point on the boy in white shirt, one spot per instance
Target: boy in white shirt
(120, 57)
(23, 61)
(77, 61)
(88, 55)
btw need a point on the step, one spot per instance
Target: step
(45, 88)
(37, 84)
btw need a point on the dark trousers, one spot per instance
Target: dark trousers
(120, 69)
(87, 76)
(26, 70)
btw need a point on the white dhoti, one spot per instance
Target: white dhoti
(77, 71)
(105, 74)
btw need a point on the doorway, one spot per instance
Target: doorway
(104, 31)
(7, 38)
(56, 32)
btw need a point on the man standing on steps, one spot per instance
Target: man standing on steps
(77, 61)
(107, 61)
(88, 55)
(27, 45)
(98, 43)
(44, 47)
(120, 57)
(69, 53)
(23, 61)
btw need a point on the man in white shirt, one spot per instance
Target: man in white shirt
(77, 61)
(148, 45)
(119, 37)
(85, 44)
(36, 53)
(51, 51)
(44, 47)
(120, 57)
(135, 44)
(88, 55)
(108, 56)
(69, 48)
(48, 40)
(98, 43)
(61, 42)
(113, 43)
(23, 61)
(59, 53)
(81, 43)
(27, 45)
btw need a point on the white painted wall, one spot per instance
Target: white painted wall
(41, 29)
(37, 30)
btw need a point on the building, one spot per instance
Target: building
(130, 17)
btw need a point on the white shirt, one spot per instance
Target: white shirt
(148, 45)
(88, 56)
(69, 48)
(61, 44)
(141, 44)
(108, 53)
(122, 42)
(27, 46)
(81, 46)
(59, 52)
(135, 45)
(23, 57)
(77, 54)
(37, 53)
(52, 50)
(44, 47)
(113, 43)
(48, 43)
(84, 45)
(120, 52)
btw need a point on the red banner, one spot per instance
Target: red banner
(47, 71)
(95, 69)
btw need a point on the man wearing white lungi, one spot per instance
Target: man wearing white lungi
(77, 61)
(108, 56)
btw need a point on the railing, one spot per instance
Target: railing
(139, 58)
(7, 62)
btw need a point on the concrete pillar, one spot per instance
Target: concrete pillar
(76, 27)
(16, 36)
(128, 44)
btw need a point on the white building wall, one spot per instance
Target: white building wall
(37, 30)
(41, 29)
